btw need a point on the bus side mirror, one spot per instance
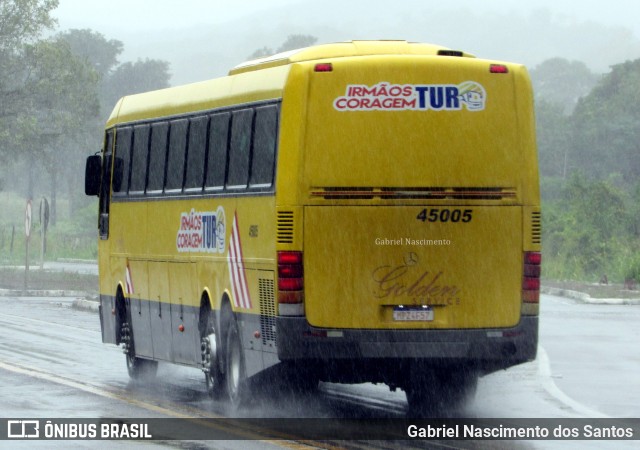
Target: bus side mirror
(92, 173)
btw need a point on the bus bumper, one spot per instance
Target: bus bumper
(486, 349)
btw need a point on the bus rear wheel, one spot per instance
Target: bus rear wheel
(141, 369)
(235, 371)
(210, 363)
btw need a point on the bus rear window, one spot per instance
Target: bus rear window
(264, 146)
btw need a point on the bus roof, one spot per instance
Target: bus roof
(344, 49)
(201, 96)
(255, 84)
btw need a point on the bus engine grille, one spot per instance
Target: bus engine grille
(267, 311)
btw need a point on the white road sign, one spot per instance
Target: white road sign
(27, 219)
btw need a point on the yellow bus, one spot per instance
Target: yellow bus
(364, 211)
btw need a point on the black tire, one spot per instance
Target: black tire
(141, 369)
(237, 386)
(138, 368)
(214, 377)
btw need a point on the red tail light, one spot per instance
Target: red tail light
(290, 284)
(531, 284)
(286, 271)
(324, 67)
(534, 258)
(498, 68)
(290, 277)
(531, 277)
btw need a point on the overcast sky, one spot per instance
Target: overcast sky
(167, 14)
(103, 16)
(204, 38)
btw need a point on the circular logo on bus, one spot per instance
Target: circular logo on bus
(221, 230)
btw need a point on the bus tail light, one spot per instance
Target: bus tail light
(531, 277)
(324, 67)
(290, 281)
(498, 68)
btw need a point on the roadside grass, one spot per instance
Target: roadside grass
(72, 237)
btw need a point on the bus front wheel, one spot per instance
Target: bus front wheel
(138, 368)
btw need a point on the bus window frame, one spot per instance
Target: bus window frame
(225, 190)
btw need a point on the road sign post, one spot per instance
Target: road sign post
(44, 223)
(27, 233)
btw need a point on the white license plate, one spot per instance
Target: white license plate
(413, 314)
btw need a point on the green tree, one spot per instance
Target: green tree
(63, 103)
(21, 22)
(115, 81)
(94, 48)
(553, 132)
(102, 54)
(585, 234)
(606, 132)
(558, 85)
(590, 162)
(561, 81)
(135, 77)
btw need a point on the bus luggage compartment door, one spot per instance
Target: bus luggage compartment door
(413, 267)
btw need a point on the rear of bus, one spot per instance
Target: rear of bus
(408, 215)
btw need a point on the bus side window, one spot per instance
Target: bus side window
(139, 158)
(105, 201)
(106, 172)
(157, 157)
(217, 156)
(264, 146)
(177, 153)
(196, 154)
(240, 148)
(122, 161)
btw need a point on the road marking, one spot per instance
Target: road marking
(49, 323)
(86, 387)
(544, 370)
(195, 416)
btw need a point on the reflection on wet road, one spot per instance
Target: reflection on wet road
(53, 364)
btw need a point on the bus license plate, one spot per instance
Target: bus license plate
(413, 314)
